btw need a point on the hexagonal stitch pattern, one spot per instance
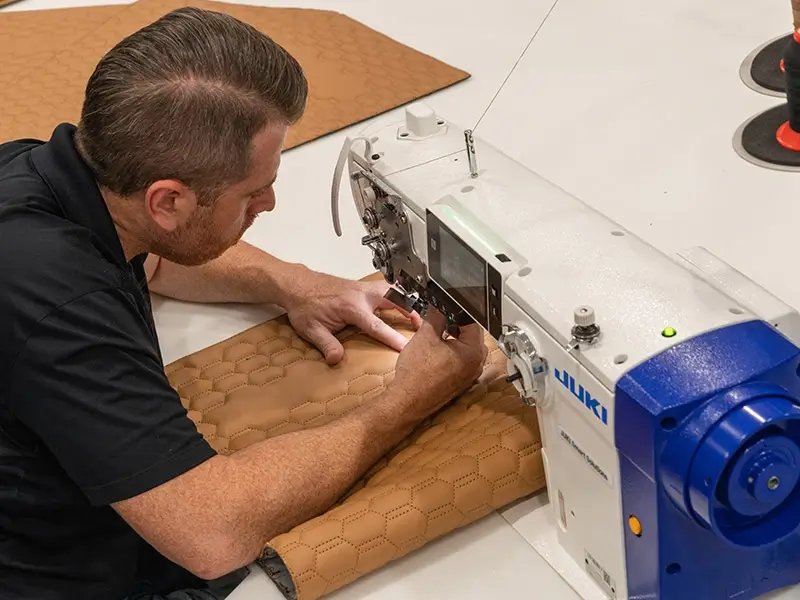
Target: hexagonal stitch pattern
(478, 454)
(43, 85)
(268, 381)
(34, 35)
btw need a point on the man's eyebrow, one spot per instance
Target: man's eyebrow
(265, 187)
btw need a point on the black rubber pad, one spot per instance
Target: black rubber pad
(766, 67)
(758, 138)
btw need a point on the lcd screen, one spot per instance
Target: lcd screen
(463, 274)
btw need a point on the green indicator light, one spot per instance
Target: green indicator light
(669, 332)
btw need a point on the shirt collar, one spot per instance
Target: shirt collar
(75, 189)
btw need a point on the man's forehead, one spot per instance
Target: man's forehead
(270, 141)
(266, 155)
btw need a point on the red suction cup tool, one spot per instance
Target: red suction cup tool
(788, 137)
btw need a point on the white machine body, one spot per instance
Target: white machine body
(560, 264)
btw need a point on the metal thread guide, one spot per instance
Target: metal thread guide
(471, 157)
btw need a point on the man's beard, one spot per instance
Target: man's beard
(195, 243)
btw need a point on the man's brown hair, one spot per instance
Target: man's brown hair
(182, 99)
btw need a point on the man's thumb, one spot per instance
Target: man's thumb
(326, 342)
(333, 351)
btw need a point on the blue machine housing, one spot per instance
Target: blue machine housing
(708, 435)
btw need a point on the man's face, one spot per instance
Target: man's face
(211, 230)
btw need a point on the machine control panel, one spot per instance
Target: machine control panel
(465, 276)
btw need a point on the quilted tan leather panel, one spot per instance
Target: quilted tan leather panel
(36, 34)
(478, 454)
(267, 381)
(44, 86)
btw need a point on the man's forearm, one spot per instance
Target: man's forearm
(236, 504)
(242, 274)
(300, 475)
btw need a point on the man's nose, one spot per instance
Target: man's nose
(265, 202)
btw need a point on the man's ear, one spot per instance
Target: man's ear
(169, 203)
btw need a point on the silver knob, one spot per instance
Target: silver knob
(584, 316)
(585, 330)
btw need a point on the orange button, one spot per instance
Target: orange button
(635, 525)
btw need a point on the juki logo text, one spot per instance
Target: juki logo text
(582, 394)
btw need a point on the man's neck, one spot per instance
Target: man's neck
(122, 214)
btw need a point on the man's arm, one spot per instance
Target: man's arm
(220, 515)
(242, 274)
(318, 305)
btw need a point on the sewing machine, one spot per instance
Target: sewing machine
(667, 387)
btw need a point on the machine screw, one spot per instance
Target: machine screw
(773, 483)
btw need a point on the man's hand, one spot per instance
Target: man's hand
(433, 371)
(319, 306)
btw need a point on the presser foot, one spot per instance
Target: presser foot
(408, 301)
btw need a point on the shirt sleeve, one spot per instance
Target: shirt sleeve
(91, 385)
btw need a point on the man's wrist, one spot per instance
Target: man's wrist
(394, 414)
(287, 282)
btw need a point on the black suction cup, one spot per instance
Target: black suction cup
(761, 70)
(772, 138)
(757, 141)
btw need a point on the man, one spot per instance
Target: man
(107, 490)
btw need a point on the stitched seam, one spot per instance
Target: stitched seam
(267, 432)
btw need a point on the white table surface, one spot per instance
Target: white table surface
(629, 105)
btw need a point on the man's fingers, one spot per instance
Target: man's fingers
(379, 288)
(325, 341)
(376, 328)
(471, 334)
(416, 320)
(437, 321)
(413, 317)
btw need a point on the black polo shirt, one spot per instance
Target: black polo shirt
(87, 415)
